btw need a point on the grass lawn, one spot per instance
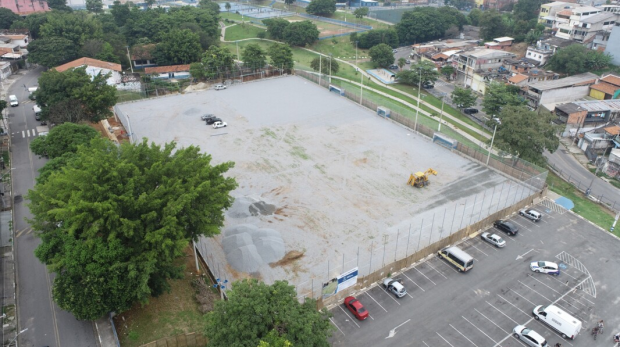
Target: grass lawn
(125, 95)
(242, 31)
(230, 16)
(349, 17)
(341, 48)
(584, 207)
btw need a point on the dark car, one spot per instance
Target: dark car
(207, 116)
(506, 227)
(428, 85)
(470, 110)
(212, 120)
(393, 67)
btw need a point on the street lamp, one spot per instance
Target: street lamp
(330, 68)
(361, 88)
(220, 285)
(19, 333)
(492, 139)
(356, 54)
(418, 109)
(237, 44)
(443, 98)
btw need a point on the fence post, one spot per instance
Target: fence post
(442, 222)
(396, 247)
(420, 238)
(472, 209)
(430, 238)
(372, 243)
(453, 218)
(408, 236)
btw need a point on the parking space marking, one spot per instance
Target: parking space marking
(552, 332)
(412, 281)
(455, 329)
(541, 282)
(513, 305)
(421, 273)
(472, 324)
(587, 286)
(446, 264)
(552, 206)
(530, 222)
(566, 273)
(337, 327)
(425, 344)
(373, 299)
(389, 294)
(576, 301)
(487, 318)
(472, 245)
(528, 287)
(444, 339)
(522, 297)
(505, 315)
(439, 272)
(348, 316)
(519, 224)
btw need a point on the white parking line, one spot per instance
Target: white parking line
(412, 281)
(463, 335)
(23, 133)
(479, 250)
(525, 285)
(421, 273)
(541, 282)
(337, 327)
(519, 224)
(439, 272)
(472, 324)
(450, 267)
(425, 344)
(373, 299)
(500, 328)
(444, 339)
(349, 316)
(505, 315)
(511, 304)
(514, 291)
(389, 294)
(566, 273)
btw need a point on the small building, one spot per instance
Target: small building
(548, 11)
(25, 7)
(544, 49)
(142, 56)
(477, 61)
(550, 93)
(583, 116)
(518, 80)
(167, 72)
(614, 49)
(95, 67)
(607, 88)
(19, 39)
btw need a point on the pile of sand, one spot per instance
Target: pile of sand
(248, 247)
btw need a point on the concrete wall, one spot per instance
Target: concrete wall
(597, 94)
(613, 45)
(562, 95)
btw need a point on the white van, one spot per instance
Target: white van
(461, 260)
(556, 318)
(13, 100)
(37, 112)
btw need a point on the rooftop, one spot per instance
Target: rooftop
(164, 69)
(611, 79)
(565, 12)
(600, 105)
(599, 17)
(570, 108)
(89, 62)
(485, 52)
(518, 78)
(586, 9)
(503, 39)
(605, 88)
(612, 130)
(581, 79)
(24, 7)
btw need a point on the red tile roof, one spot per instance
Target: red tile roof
(89, 62)
(605, 88)
(164, 69)
(24, 7)
(611, 79)
(612, 130)
(518, 78)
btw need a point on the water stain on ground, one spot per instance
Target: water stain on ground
(262, 208)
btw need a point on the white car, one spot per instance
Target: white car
(493, 239)
(545, 267)
(220, 87)
(530, 214)
(395, 286)
(529, 336)
(219, 125)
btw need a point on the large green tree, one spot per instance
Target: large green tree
(59, 5)
(33, 23)
(275, 27)
(7, 17)
(253, 56)
(115, 218)
(94, 6)
(178, 47)
(324, 64)
(75, 88)
(381, 55)
(52, 51)
(425, 70)
(361, 12)
(75, 26)
(217, 62)
(301, 33)
(491, 25)
(64, 138)
(428, 23)
(376, 36)
(474, 16)
(321, 7)
(461, 4)
(526, 9)
(499, 95)
(576, 59)
(256, 311)
(99, 49)
(463, 97)
(281, 56)
(526, 134)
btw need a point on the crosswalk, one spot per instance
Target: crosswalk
(25, 133)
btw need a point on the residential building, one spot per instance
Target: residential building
(10, 50)
(588, 27)
(499, 43)
(567, 20)
(583, 116)
(518, 80)
(600, 40)
(548, 12)
(613, 46)
(95, 67)
(142, 56)
(20, 39)
(611, 8)
(25, 7)
(550, 93)
(5, 70)
(607, 88)
(544, 49)
(481, 60)
(167, 72)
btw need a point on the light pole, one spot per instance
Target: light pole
(361, 88)
(19, 333)
(221, 285)
(330, 68)
(492, 139)
(237, 44)
(356, 54)
(418, 109)
(443, 98)
(320, 68)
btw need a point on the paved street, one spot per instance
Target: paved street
(47, 324)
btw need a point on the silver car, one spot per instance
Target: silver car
(493, 239)
(529, 336)
(530, 214)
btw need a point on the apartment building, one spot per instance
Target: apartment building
(471, 65)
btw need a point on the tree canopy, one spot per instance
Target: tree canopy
(576, 59)
(216, 62)
(321, 7)
(256, 311)
(7, 17)
(425, 70)
(428, 23)
(253, 56)
(324, 64)
(499, 95)
(376, 36)
(64, 138)
(381, 55)
(463, 97)
(461, 4)
(281, 56)
(491, 25)
(275, 27)
(526, 134)
(361, 12)
(301, 33)
(115, 218)
(178, 46)
(52, 51)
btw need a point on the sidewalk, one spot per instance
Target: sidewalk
(575, 151)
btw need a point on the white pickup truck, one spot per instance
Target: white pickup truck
(43, 130)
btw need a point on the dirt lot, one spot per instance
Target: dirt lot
(318, 175)
(325, 28)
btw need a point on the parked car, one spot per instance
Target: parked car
(393, 67)
(212, 120)
(493, 239)
(395, 286)
(529, 336)
(428, 85)
(207, 116)
(217, 125)
(506, 227)
(356, 307)
(394, 51)
(546, 267)
(530, 214)
(220, 87)
(470, 110)
(407, 61)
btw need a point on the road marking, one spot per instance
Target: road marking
(521, 225)
(463, 335)
(413, 282)
(393, 331)
(492, 322)
(449, 266)
(373, 299)
(505, 315)
(23, 134)
(349, 316)
(424, 276)
(389, 294)
(429, 264)
(485, 334)
(479, 250)
(511, 304)
(425, 344)
(514, 291)
(534, 290)
(444, 339)
(23, 231)
(541, 282)
(520, 256)
(337, 327)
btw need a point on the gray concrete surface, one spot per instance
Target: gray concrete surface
(335, 172)
(481, 307)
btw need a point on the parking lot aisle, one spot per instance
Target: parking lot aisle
(412, 281)
(463, 335)
(336, 325)
(345, 316)
(538, 295)
(480, 330)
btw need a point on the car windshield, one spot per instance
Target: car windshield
(541, 263)
(361, 310)
(525, 331)
(498, 239)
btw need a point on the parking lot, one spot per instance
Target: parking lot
(481, 307)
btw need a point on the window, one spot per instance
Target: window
(565, 31)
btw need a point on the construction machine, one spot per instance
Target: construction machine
(420, 179)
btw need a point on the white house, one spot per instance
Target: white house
(95, 67)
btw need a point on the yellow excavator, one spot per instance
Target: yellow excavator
(420, 179)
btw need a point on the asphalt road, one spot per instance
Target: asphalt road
(47, 324)
(481, 307)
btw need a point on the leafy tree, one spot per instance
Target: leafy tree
(32, 22)
(178, 47)
(54, 165)
(197, 71)
(533, 36)
(210, 5)
(464, 97)
(491, 25)
(425, 70)
(474, 16)
(324, 64)
(499, 95)
(321, 7)
(149, 3)
(121, 12)
(3, 105)
(526, 9)
(576, 59)
(448, 71)
(526, 134)
(227, 6)
(376, 36)
(274, 340)
(381, 55)
(428, 23)
(275, 27)
(7, 17)
(401, 62)
(281, 56)
(253, 56)
(76, 26)
(301, 33)
(64, 138)
(361, 12)
(111, 236)
(93, 96)
(289, 2)
(59, 5)
(256, 311)
(94, 6)
(52, 51)
(216, 62)
(101, 50)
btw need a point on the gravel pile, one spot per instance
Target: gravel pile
(248, 247)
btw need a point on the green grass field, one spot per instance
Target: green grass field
(242, 31)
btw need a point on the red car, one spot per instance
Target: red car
(356, 307)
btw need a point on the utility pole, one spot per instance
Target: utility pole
(490, 149)
(443, 98)
(129, 56)
(330, 68)
(418, 109)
